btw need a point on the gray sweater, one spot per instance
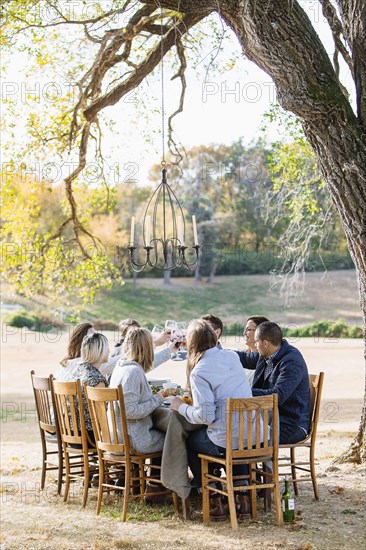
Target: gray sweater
(139, 404)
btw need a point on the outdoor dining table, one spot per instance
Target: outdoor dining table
(174, 464)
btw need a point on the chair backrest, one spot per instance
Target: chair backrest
(45, 406)
(70, 412)
(316, 388)
(103, 404)
(251, 417)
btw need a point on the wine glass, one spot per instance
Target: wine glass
(170, 327)
(181, 326)
(156, 331)
(169, 324)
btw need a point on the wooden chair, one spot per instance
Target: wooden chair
(79, 450)
(248, 452)
(48, 427)
(118, 459)
(316, 387)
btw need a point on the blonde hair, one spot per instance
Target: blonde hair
(125, 325)
(93, 348)
(200, 337)
(76, 339)
(138, 346)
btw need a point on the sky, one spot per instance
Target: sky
(221, 106)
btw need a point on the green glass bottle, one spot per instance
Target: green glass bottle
(288, 503)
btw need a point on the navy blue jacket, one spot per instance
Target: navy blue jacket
(289, 379)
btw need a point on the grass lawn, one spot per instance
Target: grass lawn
(324, 296)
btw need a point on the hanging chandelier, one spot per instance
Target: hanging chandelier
(163, 226)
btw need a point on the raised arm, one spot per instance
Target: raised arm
(248, 359)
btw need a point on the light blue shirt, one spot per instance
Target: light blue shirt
(216, 377)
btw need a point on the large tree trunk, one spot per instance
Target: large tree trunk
(278, 36)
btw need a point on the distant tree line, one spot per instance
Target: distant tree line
(259, 209)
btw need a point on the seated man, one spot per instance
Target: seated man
(216, 324)
(280, 368)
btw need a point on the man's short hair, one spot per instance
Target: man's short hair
(271, 332)
(214, 321)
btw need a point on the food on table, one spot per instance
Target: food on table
(187, 399)
(172, 392)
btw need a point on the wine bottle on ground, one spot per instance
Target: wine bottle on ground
(288, 503)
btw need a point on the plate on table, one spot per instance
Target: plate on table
(158, 382)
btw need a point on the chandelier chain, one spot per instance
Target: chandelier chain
(162, 86)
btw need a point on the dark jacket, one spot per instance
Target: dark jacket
(289, 379)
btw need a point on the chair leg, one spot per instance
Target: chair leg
(231, 498)
(68, 472)
(186, 508)
(60, 470)
(277, 501)
(126, 494)
(142, 476)
(293, 469)
(44, 460)
(267, 501)
(107, 475)
(313, 474)
(86, 480)
(253, 492)
(100, 485)
(175, 501)
(205, 492)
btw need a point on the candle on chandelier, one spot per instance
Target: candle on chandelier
(195, 230)
(181, 230)
(147, 230)
(132, 236)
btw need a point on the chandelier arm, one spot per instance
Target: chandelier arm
(137, 267)
(156, 192)
(193, 265)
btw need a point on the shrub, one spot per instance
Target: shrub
(327, 329)
(44, 322)
(355, 332)
(105, 324)
(24, 319)
(21, 319)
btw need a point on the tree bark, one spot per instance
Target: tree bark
(279, 37)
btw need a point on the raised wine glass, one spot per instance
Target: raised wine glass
(156, 331)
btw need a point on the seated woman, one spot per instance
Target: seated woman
(160, 356)
(94, 352)
(73, 358)
(248, 333)
(138, 356)
(215, 375)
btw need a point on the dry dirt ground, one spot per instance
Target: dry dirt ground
(34, 519)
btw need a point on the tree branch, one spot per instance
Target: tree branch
(142, 70)
(336, 27)
(353, 14)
